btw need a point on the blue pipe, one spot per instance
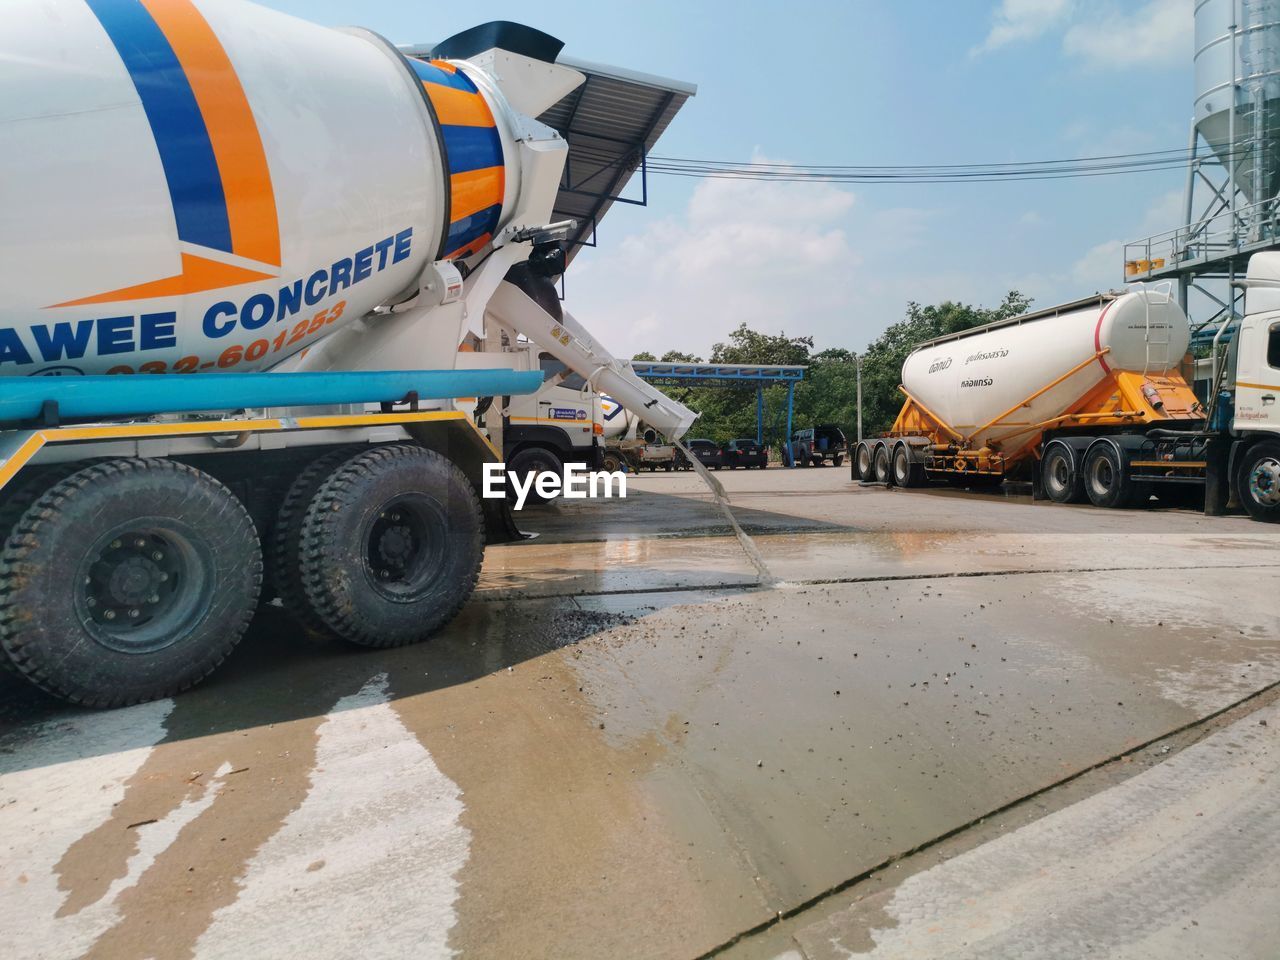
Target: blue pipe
(145, 394)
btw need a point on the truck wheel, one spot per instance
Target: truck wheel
(533, 460)
(906, 472)
(19, 494)
(1063, 482)
(128, 581)
(391, 546)
(1258, 481)
(612, 463)
(881, 467)
(864, 463)
(1106, 480)
(283, 550)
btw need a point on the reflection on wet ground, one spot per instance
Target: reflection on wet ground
(623, 746)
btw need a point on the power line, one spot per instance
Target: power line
(1073, 168)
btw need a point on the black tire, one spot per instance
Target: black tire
(127, 581)
(612, 463)
(864, 463)
(881, 468)
(284, 548)
(18, 496)
(1106, 479)
(838, 460)
(532, 460)
(1258, 481)
(1062, 479)
(392, 544)
(907, 472)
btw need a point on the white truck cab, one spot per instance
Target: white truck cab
(1257, 353)
(1253, 383)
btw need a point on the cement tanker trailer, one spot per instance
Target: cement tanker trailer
(1090, 401)
(197, 192)
(1087, 400)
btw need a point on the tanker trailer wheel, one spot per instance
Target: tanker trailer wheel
(864, 463)
(1063, 481)
(532, 460)
(1106, 479)
(906, 471)
(1258, 481)
(283, 549)
(881, 466)
(126, 581)
(391, 546)
(612, 463)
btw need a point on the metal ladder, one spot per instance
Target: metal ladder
(1164, 294)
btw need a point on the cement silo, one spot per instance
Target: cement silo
(1237, 75)
(1232, 199)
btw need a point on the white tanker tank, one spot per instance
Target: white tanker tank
(972, 380)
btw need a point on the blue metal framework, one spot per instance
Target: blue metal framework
(727, 375)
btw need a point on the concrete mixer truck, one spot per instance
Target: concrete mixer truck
(240, 253)
(1091, 401)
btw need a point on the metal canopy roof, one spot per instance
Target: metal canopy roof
(611, 122)
(724, 372)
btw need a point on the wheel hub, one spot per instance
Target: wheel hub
(131, 582)
(1264, 482)
(403, 546)
(396, 544)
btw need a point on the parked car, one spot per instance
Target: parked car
(707, 452)
(814, 446)
(744, 453)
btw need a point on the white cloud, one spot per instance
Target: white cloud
(1019, 20)
(773, 255)
(1157, 33)
(1101, 268)
(1101, 34)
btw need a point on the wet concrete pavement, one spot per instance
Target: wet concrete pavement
(622, 747)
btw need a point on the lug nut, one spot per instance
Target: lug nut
(116, 544)
(139, 543)
(135, 614)
(91, 602)
(163, 577)
(157, 556)
(154, 599)
(109, 615)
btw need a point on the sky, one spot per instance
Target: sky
(859, 82)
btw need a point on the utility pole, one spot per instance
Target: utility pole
(857, 359)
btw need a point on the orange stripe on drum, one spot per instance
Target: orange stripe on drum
(233, 132)
(474, 191)
(466, 250)
(458, 107)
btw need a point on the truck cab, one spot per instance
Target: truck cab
(1254, 463)
(564, 418)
